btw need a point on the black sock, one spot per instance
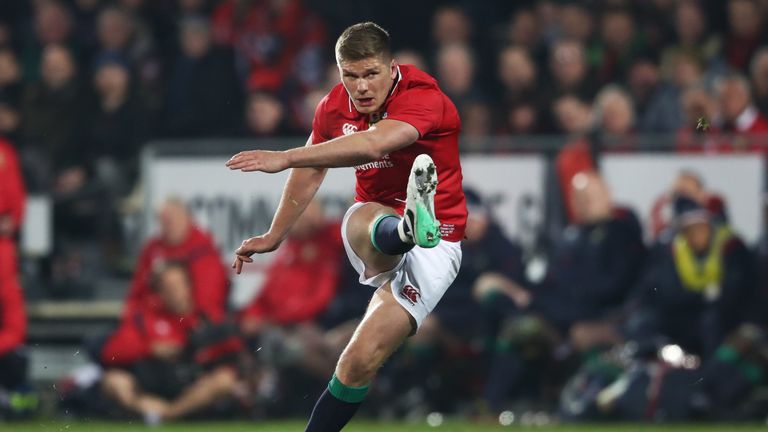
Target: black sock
(386, 238)
(336, 406)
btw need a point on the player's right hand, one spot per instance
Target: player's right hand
(259, 244)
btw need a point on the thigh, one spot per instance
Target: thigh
(384, 327)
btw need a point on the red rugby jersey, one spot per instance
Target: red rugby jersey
(417, 100)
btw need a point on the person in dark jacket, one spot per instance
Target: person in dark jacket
(204, 94)
(699, 284)
(589, 276)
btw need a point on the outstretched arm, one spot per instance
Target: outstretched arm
(348, 150)
(299, 190)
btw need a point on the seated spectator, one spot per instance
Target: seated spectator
(13, 319)
(300, 283)
(411, 57)
(116, 128)
(572, 116)
(758, 75)
(589, 275)
(179, 240)
(107, 168)
(451, 25)
(52, 24)
(265, 116)
(740, 115)
(620, 44)
(52, 111)
(184, 365)
(744, 34)
(697, 286)
(615, 118)
(576, 22)
(290, 41)
(11, 93)
(656, 93)
(517, 74)
(568, 66)
(195, 110)
(701, 129)
(693, 38)
(456, 74)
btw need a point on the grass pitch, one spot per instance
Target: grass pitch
(64, 426)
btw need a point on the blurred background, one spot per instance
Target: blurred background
(615, 262)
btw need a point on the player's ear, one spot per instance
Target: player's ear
(393, 68)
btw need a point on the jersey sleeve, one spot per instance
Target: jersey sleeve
(319, 126)
(420, 108)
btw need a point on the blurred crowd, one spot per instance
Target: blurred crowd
(599, 324)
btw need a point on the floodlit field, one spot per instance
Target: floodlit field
(356, 427)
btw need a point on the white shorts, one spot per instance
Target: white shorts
(419, 280)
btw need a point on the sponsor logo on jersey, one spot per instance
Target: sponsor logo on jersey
(384, 162)
(410, 293)
(348, 128)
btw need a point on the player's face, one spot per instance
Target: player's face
(368, 81)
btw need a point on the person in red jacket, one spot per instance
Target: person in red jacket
(181, 240)
(186, 363)
(13, 320)
(300, 284)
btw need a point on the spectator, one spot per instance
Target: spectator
(616, 117)
(265, 116)
(740, 116)
(11, 92)
(693, 40)
(410, 57)
(116, 129)
(110, 139)
(758, 73)
(614, 120)
(300, 283)
(700, 108)
(657, 101)
(476, 125)
(179, 240)
(572, 115)
(744, 34)
(620, 45)
(123, 34)
(456, 74)
(278, 42)
(697, 286)
(118, 35)
(52, 25)
(517, 74)
(568, 66)
(181, 369)
(52, 111)
(11, 85)
(576, 22)
(488, 253)
(690, 185)
(13, 319)
(195, 110)
(451, 26)
(591, 270)
(524, 32)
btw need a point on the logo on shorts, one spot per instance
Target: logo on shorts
(410, 293)
(348, 129)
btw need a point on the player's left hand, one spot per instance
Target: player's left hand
(259, 160)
